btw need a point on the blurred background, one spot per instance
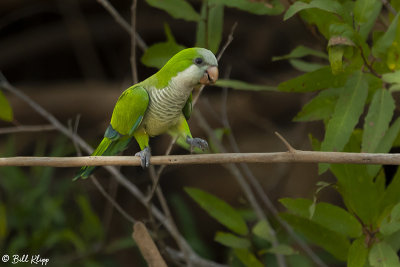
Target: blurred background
(74, 60)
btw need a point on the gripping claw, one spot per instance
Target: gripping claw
(197, 142)
(144, 155)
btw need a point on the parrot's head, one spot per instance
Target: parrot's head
(191, 67)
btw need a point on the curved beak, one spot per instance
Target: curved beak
(210, 75)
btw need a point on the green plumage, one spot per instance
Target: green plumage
(162, 103)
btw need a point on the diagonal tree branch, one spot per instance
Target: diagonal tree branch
(122, 22)
(133, 189)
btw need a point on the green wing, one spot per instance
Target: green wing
(187, 109)
(128, 112)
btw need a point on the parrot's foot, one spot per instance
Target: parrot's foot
(144, 155)
(197, 142)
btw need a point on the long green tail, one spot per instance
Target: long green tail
(107, 147)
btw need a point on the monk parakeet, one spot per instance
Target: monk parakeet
(160, 104)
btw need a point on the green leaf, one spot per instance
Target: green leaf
(201, 26)
(314, 81)
(320, 107)
(327, 215)
(240, 85)
(385, 145)
(189, 226)
(280, 249)
(119, 244)
(91, 227)
(335, 58)
(377, 120)
(358, 253)
(391, 196)
(365, 28)
(301, 51)
(3, 222)
(322, 19)
(263, 229)
(348, 110)
(305, 66)
(335, 243)
(359, 191)
(179, 9)
(219, 210)
(363, 10)
(385, 41)
(391, 77)
(391, 223)
(6, 112)
(66, 235)
(326, 5)
(158, 54)
(273, 7)
(232, 241)
(382, 255)
(215, 26)
(247, 258)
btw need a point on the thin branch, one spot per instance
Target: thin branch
(27, 128)
(285, 142)
(260, 192)
(298, 156)
(94, 180)
(366, 63)
(122, 22)
(133, 42)
(156, 181)
(228, 41)
(187, 250)
(146, 246)
(247, 172)
(133, 189)
(112, 200)
(222, 51)
(389, 7)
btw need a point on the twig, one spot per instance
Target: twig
(160, 170)
(286, 143)
(133, 42)
(234, 170)
(85, 52)
(298, 156)
(389, 7)
(228, 41)
(250, 177)
(122, 22)
(146, 246)
(260, 192)
(94, 180)
(187, 250)
(178, 255)
(111, 200)
(27, 128)
(369, 66)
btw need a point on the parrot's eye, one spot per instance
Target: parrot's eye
(198, 61)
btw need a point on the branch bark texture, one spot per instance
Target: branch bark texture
(219, 158)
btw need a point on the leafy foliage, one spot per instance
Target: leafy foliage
(241, 242)
(355, 91)
(36, 215)
(6, 112)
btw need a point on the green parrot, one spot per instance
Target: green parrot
(160, 104)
